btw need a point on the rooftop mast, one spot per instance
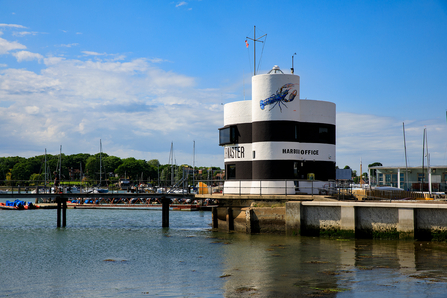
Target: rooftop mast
(254, 48)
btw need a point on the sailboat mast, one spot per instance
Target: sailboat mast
(406, 164)
(60, 162)
(171, 156)
(100, 162)
(193, 161)
(80, 173)
(45, 185)
(428, 162)
(423, 158)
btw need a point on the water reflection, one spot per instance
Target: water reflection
(189, 260)
(272, 266)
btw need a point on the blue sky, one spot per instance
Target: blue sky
(140, 74)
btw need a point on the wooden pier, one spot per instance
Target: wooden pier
(61, 201)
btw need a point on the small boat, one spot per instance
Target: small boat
(100, 190)
(73, 189)
(18, 205)
(41, 190)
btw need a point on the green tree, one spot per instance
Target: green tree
(92, 167)
(111, 163)
(24, 169)
(372, 172)
(153, 163)
(133, 168)
(7, 163)
(37, 177)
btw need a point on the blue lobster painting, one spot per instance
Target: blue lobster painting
(280, 97)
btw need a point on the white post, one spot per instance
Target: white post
(429, 173)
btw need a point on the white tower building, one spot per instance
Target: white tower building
(276, 142)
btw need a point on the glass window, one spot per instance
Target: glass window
(227, 135)
(323, 134)
(421, 176)
(388, 178)
(394, 177)
(381, 177)
(231, 171)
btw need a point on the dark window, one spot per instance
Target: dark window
(231, 171)
(421, 176)
(292, 131)
(227, 135)
(323, 134)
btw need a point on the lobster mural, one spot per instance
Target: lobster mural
(280, 97)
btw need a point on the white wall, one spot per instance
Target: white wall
(237, 112)
(266, 85)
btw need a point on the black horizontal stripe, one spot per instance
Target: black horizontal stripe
(281, 169)
(285, 131)
(242, 170)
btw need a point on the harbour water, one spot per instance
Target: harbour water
(126, 253)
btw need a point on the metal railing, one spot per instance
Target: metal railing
(64, 186)
(268, 187)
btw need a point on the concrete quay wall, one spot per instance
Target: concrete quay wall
(352, 219)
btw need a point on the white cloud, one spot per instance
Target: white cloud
(69, 45)
(12, 26)
(157, 60)
(182, 3)
(27, 56)
(126, 103)
(375, 138)
(32, 110)
(90, 53)
(53, 60)
(6, 46)
(3, 65)
(24, 33)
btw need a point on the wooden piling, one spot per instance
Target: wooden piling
(215, 218)
(58, 220)
(64, 213)
(230, 219)
(165, 212)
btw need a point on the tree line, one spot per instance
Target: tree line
(87, 167)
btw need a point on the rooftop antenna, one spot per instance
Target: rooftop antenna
(254, 46)
(292, 69)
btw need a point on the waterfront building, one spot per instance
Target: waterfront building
(418, 178)
(277, 143)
